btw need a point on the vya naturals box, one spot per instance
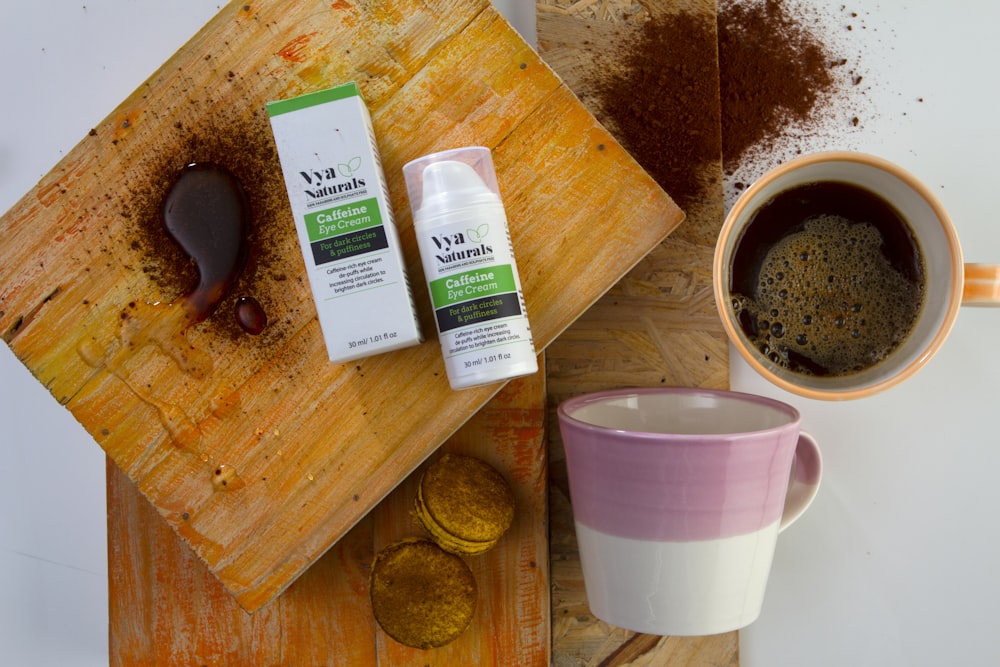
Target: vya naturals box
(345, 225)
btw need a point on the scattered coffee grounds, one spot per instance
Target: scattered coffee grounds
(778, 74)
(774, 72)
(240, 140)
(664, 102)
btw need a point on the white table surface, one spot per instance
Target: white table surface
(895, 563)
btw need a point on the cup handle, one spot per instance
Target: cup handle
(982, 285)
(803, 482)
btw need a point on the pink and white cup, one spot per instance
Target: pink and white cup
(678, 497)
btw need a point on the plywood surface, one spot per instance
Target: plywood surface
(166, 607)
(656, 327)
(257, 451)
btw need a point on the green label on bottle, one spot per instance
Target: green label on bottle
(474, 284)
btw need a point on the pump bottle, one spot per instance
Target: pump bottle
(468, 260)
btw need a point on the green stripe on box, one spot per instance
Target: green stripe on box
(341, 92)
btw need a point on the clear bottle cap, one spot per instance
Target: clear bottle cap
(451, 181)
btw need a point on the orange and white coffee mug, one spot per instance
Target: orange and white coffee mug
(838, 275)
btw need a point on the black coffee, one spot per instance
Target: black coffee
(827, 279)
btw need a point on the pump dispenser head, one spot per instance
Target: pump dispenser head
(451, 181)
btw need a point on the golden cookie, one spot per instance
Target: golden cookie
(422, 596)
(464, 503)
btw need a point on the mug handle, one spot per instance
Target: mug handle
(982, 285)
(803, 482)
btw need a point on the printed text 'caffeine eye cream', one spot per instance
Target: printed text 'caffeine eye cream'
(345, 225)
(468, 260)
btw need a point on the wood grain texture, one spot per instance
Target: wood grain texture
(658, 326)
(268, 454)
(166, 608)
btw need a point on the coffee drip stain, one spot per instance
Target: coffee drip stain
(184, 433)
(191, 286)
(163, 325)
(237, 142)
(250, 315)
(226, 478)
(207, 212)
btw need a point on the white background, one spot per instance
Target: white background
(895, 563)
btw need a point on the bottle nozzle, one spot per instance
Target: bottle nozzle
(451, 181)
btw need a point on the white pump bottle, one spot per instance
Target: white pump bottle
(468, 260)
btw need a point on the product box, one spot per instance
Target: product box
(336, 188)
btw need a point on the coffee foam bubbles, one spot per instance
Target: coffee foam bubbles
(828, 302)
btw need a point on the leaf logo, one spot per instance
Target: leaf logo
(347, 170)
(479, 234)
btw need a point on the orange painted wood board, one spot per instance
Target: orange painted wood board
(263, 454)
(166, 608)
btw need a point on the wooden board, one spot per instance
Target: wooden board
(265, 454)
(657, 326)
(166, 608)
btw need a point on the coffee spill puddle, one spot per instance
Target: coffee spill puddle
(250, 315)
(225, 478)
(207, 212)
(183, 431)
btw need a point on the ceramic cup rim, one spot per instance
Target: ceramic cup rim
(720, 273)
(569, 406)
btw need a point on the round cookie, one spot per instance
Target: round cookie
(464, 503)
(422, 596)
